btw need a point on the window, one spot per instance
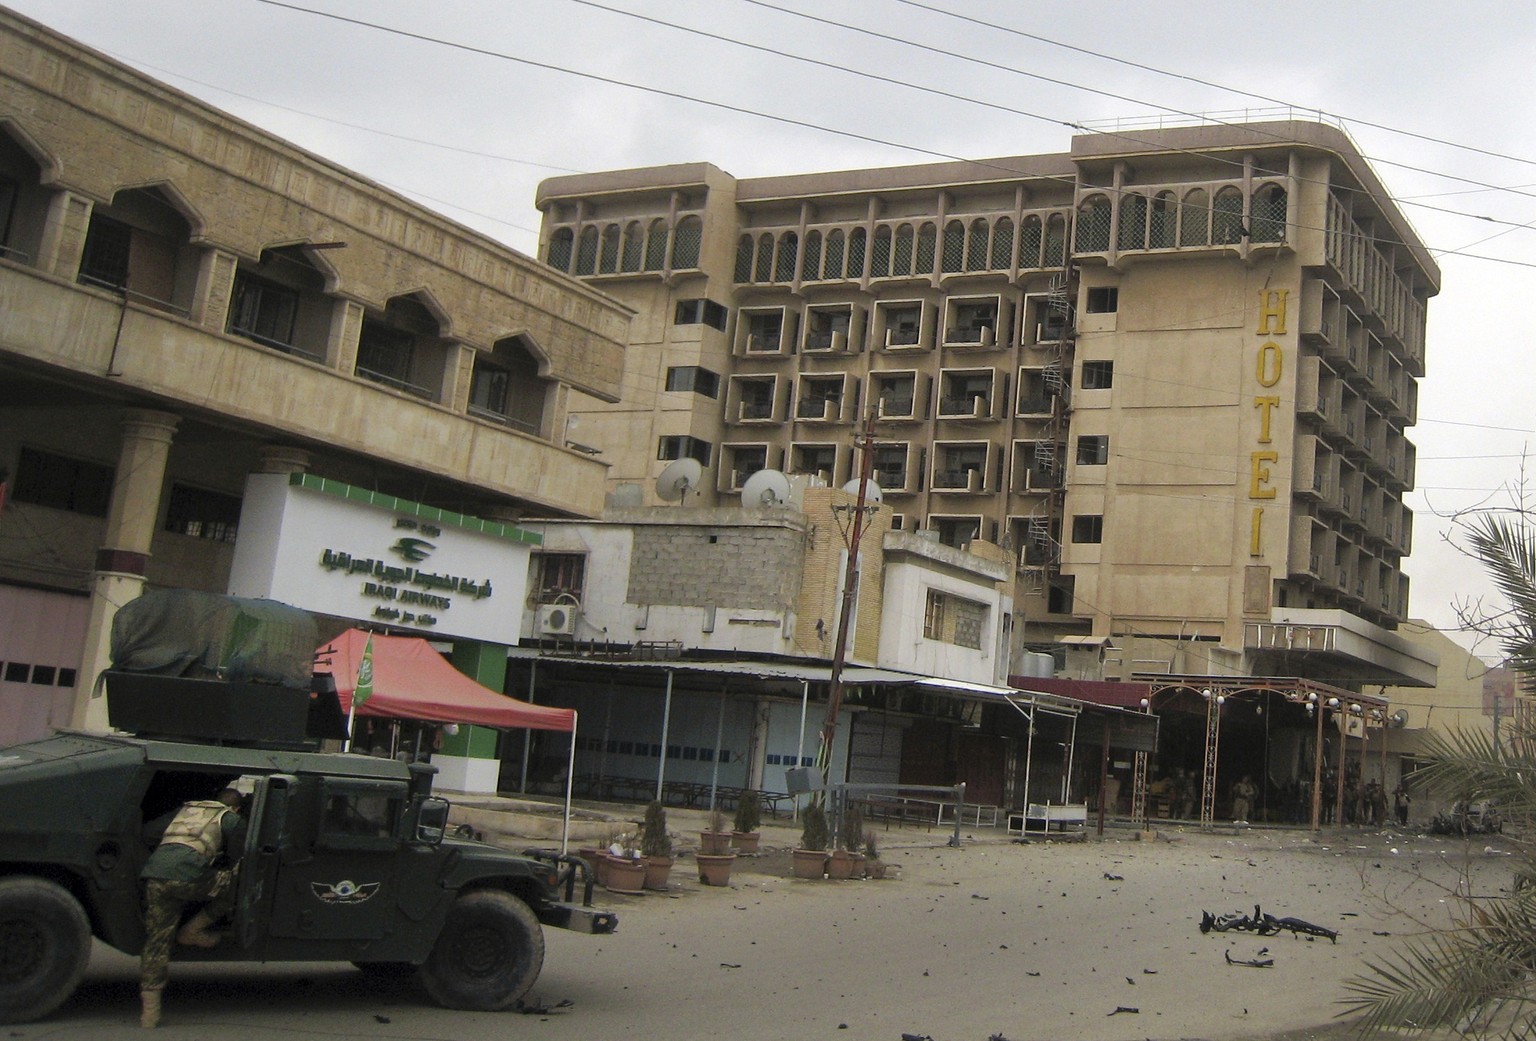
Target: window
(1098, 375)
(202, 514)
(951, 619)
(683, 446)
(1103, 299)
(263, 311)
(1088, 528)
(361, 818)
(933, 616)
(1093, 450)
(384, 354)
(557, 574)
(561, 245)
(62, 483)
(697, 312)
(695, 378)
(489, 387)
(104, 261)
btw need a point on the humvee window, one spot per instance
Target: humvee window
(361, 815)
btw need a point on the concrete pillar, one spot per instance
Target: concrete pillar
(124, 555)
(467, 761)
(214, 292)
(346, 330)
(458, 375)
(63, 240)
(280, 459)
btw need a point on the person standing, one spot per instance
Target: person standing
(185, 868)
(1400, 801)
(1243, 793)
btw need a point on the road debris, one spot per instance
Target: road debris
(1261, 923)
(1252, 963)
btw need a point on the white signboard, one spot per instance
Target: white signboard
(313, 545)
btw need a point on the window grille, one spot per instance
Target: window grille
(762, 271)
(1194, 219)
(810, 257)
(685, 243)
(743, 272)
(784, 261)
(656, 245)
(634, 247)
(927, 243)
(880, 253)
(586, 252)
(1093, 225)
(1002, 243)
(901, 253)
(954, 246)
(856, 240)
(976, 247)
(559, 256)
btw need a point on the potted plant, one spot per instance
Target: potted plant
(873, 865)
(810, 859)
(715, 868)
(715, 838)
(749, 816)
(846, 861)
(656, 846)
(624, 870)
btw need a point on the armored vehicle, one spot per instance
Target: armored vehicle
(347, 857)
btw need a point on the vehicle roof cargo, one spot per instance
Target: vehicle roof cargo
(183, 632)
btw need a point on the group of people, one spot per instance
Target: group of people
(194, 860)
(1366, 804)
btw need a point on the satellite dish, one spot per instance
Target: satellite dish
(679, 478)
(1400, 718)
(872, 491)
(765, 488)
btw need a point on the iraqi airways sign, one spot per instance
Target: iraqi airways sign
(335, 550)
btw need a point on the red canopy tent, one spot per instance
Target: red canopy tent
(413, 681)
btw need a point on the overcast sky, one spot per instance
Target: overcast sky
(487, 97)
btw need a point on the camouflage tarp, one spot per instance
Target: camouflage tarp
(182, 632)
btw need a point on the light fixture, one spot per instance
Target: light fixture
(1333, 702)
(1146, 702)
(1221, 699)
(1354, 708)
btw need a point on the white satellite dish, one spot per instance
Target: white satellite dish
(872, 491)
(765, 488)
(679, 478)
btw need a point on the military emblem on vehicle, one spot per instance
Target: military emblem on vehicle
(344, 892)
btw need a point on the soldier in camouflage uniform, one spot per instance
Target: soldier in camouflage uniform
(183, 870)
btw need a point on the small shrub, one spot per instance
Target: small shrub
(813, 828)
(871, 845)
(654, 840)
(749, 814)
(717, 821)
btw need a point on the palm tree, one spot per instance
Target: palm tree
(1482, 970)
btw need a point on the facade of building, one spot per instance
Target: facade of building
(185, 301)
(1172, 372)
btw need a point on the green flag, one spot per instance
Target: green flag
(364, 688)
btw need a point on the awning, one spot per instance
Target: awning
(413, 681)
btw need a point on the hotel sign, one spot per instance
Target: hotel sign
(316, 546)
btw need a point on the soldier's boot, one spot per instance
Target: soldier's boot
(149, 1018)
(196, 932)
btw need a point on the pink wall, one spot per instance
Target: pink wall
(44, 629)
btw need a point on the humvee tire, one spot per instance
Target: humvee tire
(45, 941)
(488, 954)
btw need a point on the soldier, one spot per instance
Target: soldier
(183, 869)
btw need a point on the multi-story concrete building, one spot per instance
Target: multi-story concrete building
(185, 301)
(1171, 371)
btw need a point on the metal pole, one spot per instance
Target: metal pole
(1066, 780)
(1317, 771)
(805, 697)
(666, 726)
(1103, 775)
(714, 775)
(570, 779)
(522, 781)
(954, 840)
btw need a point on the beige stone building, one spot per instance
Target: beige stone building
(1172, 372)
(186, 300)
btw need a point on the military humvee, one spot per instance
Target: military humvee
(347, 858)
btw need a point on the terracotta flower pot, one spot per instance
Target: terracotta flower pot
(715, 868)
(657, 871)
(746, 841)
(624, 875)
(845, 864)
(809, 863)
(714, 842)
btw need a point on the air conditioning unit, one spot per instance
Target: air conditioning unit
(556, 619)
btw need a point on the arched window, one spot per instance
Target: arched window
(833, 266)
(762, 270)
(1161, 227)
(1002, 244)
(634, 247)
(901, 254)
(976, 246)
(880, 252)
(743, 272)
(1132, 233)
(1056, 241)
(810, 257)
(685, 243)
(586, 251)
(609, 262)
(559, 254)
(1269, 214)
(1031, 238)
(1195, 219)
(856, 240)
(954, 246)
(1227, 217)
(927, 242)
(1093, 225)
(784, 260)
(656, 245)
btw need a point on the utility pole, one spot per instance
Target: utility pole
(864, 443)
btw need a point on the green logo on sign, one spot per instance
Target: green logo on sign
(413, 549)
